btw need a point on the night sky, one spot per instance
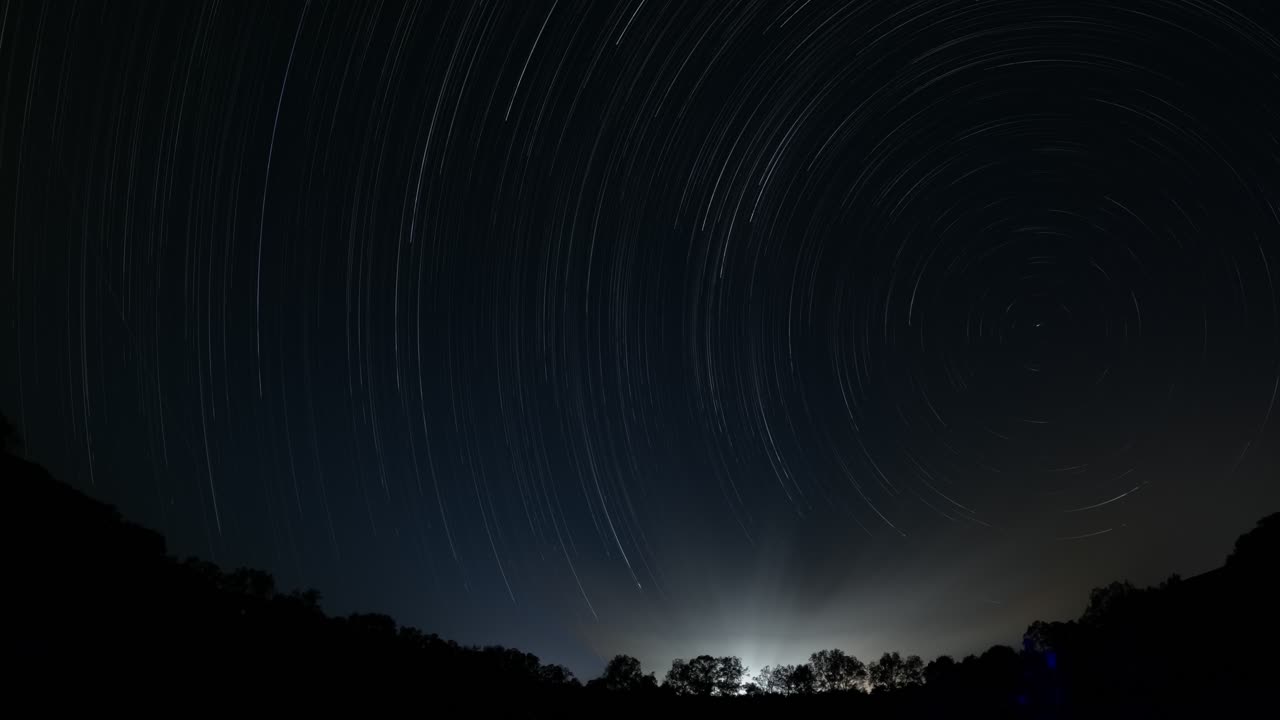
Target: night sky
(739, 328)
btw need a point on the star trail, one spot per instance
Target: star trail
(659, 328)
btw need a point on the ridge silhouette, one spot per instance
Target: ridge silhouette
(98, 601)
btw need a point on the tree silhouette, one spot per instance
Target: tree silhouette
(623, 674)
(798, 679)
(772, 679)
(802, 680)
(552, 674)
(705, 675)
(681, 680)
(1107, 603)
(729, 672)
(837, 671)
(1258, 547)
(892, 672)
(939, 670)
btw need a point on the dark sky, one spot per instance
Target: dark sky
(748, 328)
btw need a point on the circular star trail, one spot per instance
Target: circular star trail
(649, 327)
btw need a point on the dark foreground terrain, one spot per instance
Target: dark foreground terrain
(100, 614)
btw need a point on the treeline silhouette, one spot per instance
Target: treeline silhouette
(99, 600)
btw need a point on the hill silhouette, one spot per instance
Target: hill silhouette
(97, 601)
